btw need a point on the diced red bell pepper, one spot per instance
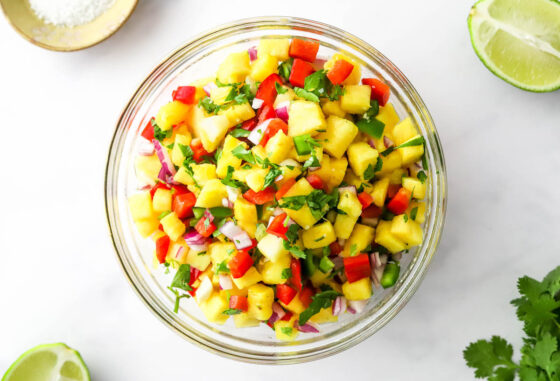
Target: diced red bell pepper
(183, 204)
(148, 132)
(372, 211)
(335, 248)
(379, 90)
(306, 296)
(239, 302)
(287, 316)
(205, 228)
(265, 112)
(185, 94)
(340, 71)
(357, 267)
(261, 197)
(315, 181)
(399, 203)
(254, 243)
(285, 293)
(158, 185)
(195, 273)
(180, 189)
(295, 279)
(274, 126)
(300, 70)
(285, 188)
(249, 125)
(162, 246)
(277, 226)
(267, 89)
(198, 150)
(365, 199)
(306, 50)
(240, 263)
(392, 190)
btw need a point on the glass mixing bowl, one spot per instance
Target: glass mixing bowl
(200, 58)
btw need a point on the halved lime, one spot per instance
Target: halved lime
(519, 41)
(48, 362)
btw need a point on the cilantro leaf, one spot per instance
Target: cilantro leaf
(320, 300)
(422, 176)
(417, 141)
(229, 181)
(285, 68)
(182, 278)
(159, 134)
(295, 250)
(286, 273)
(272, 174)
(243, 154)
(231, 311)
(279, 88)
(307, 95)
(240, 133)
(486, 356)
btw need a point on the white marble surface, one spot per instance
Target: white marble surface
(59, 280)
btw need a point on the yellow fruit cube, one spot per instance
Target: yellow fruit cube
(415, 186)
(359, 290)
(243, 320)
(264, 66)
(320, 235)
(173, 226)
(219, 94)
(303, 216)
(361, 156)
(333, 108)
(162, 200)
(196, 116)
(285, 330)
(202, 174)
(348, 202)
(171, 114)
(272, 271)
(251, 277)
(290, 170)
(355, 75)
(278, 147)
(324, 316)
(305, 118)
(177, 156)
(211, 194)
(361, 237)
(379, 191)
(235, 68)
(140, 205)
(389, 117)
(147, 167)
(246, 215)
(385, 238)
(212, 131)
(340, 133)
(276, 47)
(238, 113)
(411, 155)
(408, 231)
(272, 247)
(178, 252)
(147, 226)
(220, 252)
(284, 98)
(198, 260)
(213, 308)
(396, 176)
(355, 99)
(255, 178)
(390, 162)
(317, 151)
(420, 211)
(344, 225)
(404, 131)
(260, 299)
(332, 171)
(227, 159)
(296, 305)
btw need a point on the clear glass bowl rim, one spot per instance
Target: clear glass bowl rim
(437, 177)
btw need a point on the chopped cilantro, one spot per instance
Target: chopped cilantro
(178, 298)
(229, 181)
(232, 311)
(272, 174)
(182, 278)
(421, 176)
(294, 249)
(417, 141)
(304, 144)
(372, 127)
(222, 267)
(243, 154)
(285, 68)
(286, 273)
(320, 300)
(413, 213)
(286, 330)
(240, 133)
(279, 88)
(163, 214)
(312, 162)
(307, 95)
(292, 233)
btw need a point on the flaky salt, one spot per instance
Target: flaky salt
(69, 12)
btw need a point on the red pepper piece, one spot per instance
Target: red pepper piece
(357, 267)
(261, 197)
(205, 228)
(267, 89)
(285, 188)
(162, 246)
(198, 150)
(185, 94)
(372, 211)
(240, 263)
(285, 293)
(340, 71)
(300, 70)
(306, 295)
(379, 90)
(148, 132)
(239, 302)
(277, 226)
(365, 199)
(274, 126)
(183, 204)
(295, 279)
(399, 203)
(315, 181)
(335, 248)
(306, 50)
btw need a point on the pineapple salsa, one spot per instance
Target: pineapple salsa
(282, 190)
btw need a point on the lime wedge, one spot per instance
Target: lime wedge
(49, 362)
(519, 41)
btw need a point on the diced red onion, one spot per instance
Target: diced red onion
(242, 241)
(227, 203)
(198, 248)
(209, 87)
(290, 162)
(282, 110)
(256, 135)
(252, 53)
(350, 188)
(239, 237)
(379, 268)
(233, 193)
(145, 148)
(387, 142)
(164, 158)
(339, 305)
(357, 305)
(273, 318)
(370, 221)
(278, 310)
(205, 289)
(225, 282)
(194, 238)
(372, 143)
(308, 327)
(257, 103)
(338, 262)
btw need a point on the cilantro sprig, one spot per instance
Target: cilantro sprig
(538, 308)
(320, 300)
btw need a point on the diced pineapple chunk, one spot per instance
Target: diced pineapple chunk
(177, 156)
(173, 226)
(348, 202)
(162, 200)
(147, 167)
(361, 237)
(251, 277)
(272, 247)
(238, 113)
(272, 271)
(211, 194)
(285, 330)
(305, 118)
(264, 66)
(324, 316)
(202, 174)
(288, 96)
(147, 226)
(171, 114)
(361, 156)
(340, 133)
(355, 75)
(411, 155)
(415, 186)
(278, 147)
(404, 131)
(220, 252)
(243, 320)
(332, 171)
(227, 159)
(385, 238)
(320, 235)
(198, 260)
(246, 215)
(140, 205)
(290, 170)
(359, 290)
(296, 305)
(255, 178)
(276, 47)
(333, 108)
(420, 211)
(260, 299)
(213, 308)
(219, 94)
(396, 176)
(356, 99)
(344, 225)
(317, 151)
(390, 162)
(196, 116)
(178, 252)
(379, 191)
(212, 131)
(235, 68)
(303, 217)
(408, 231)
(389, 117)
